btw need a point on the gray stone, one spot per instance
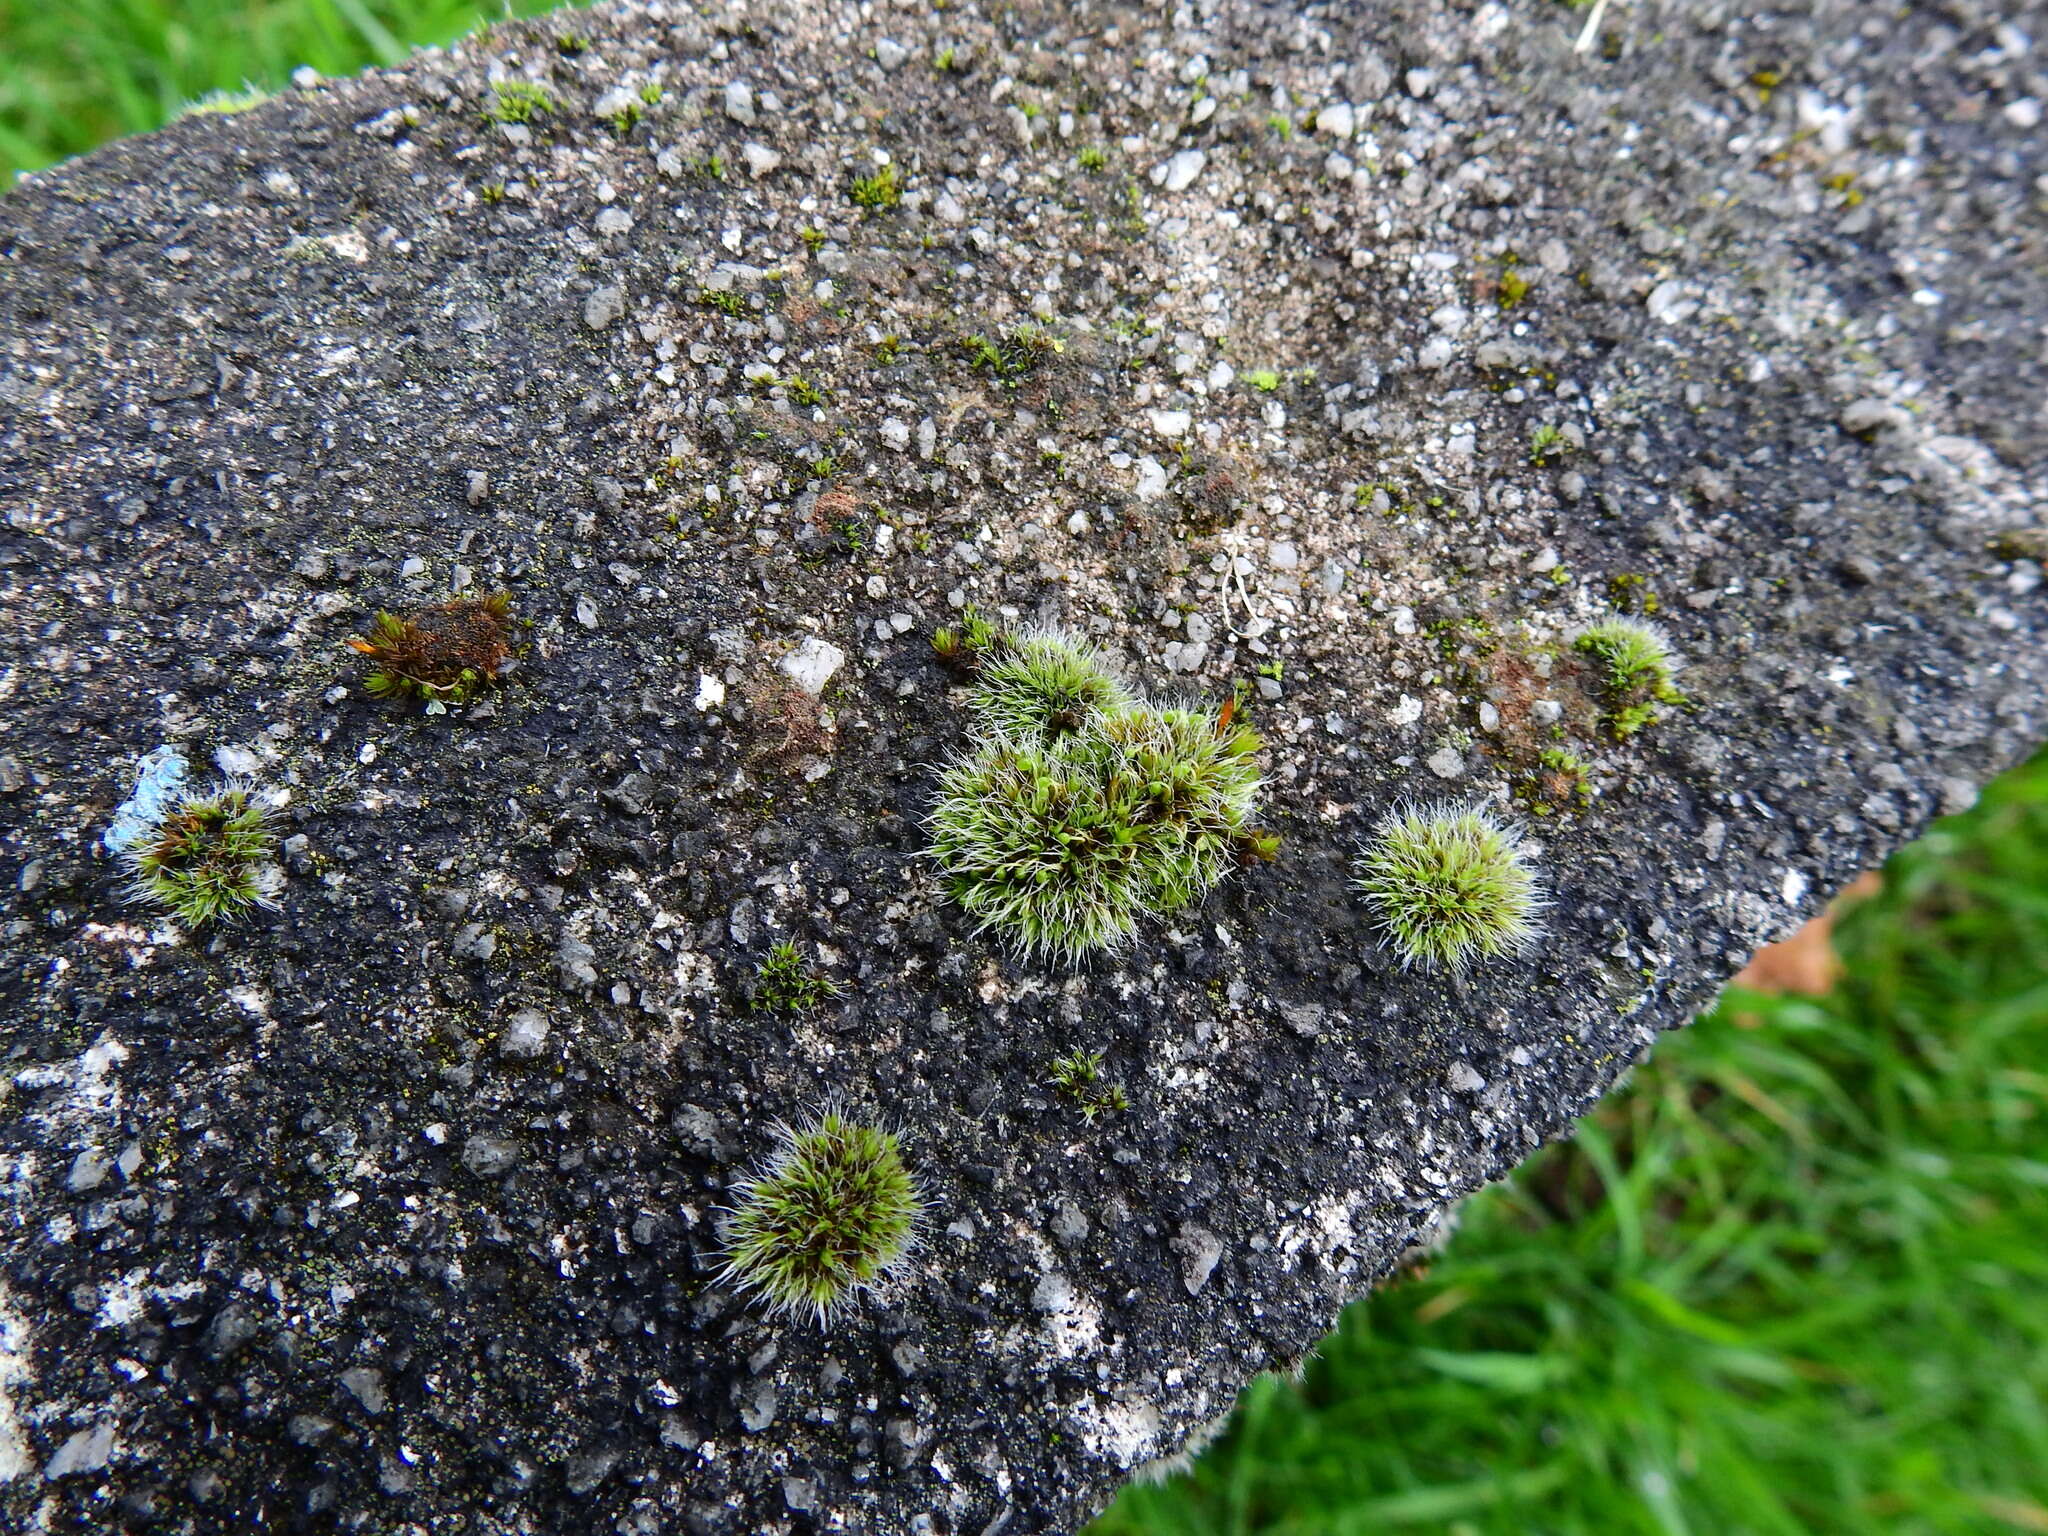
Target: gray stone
(1069, 1223)
(473, 941)
(489, 1156)
(1869, 415)
(1200, 1251)
(582, 1473)
(574, 962)
(395, 1475)
(1957, 795)
(88, 1450)
(1447, 763)
(88, 1171)
(1178, 173)
(525, 1035)
(702, 1132)
(232, 1327)
(812, 664)
(757, 1408)
(603, 307)
(366, 1385)
(1305, 1019)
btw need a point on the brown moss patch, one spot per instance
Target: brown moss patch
(833, 510)
(445, 654)
(791, 728)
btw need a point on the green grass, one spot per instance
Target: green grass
(1793, 1279)
(79, 73)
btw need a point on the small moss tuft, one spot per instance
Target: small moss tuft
(209, 859)
(832, 1213)
(785, 980)
(1449, 884)
(729, 302)
(800, 390)
(518, 101)
(1012, 354)
(966, 646)
(1633, 652)
(444, 655)
(1630, 718)
(1078, 1076)
(1637, 664)
(226, 103)
(1562, 781)
(879, 190)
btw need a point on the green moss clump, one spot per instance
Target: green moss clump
(518, 101)
(1637, 664)
(1044, 687)
(832, 1213)
(444, 655)
(785, 980)
(878, 190)
(1081, 809)
(209, 859)
(1448, 885)
(1044, 851)
(1200, 785)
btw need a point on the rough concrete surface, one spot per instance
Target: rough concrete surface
(1394, 343)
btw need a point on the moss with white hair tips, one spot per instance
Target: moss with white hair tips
(831, 1215)
(208, 859)
(1448, 885)
(1082, 808)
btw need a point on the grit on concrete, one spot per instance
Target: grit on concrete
(1394, 342)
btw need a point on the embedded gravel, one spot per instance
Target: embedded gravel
(1379, 349)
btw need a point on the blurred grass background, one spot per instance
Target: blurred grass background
(75, 73)
(1793, 1279)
